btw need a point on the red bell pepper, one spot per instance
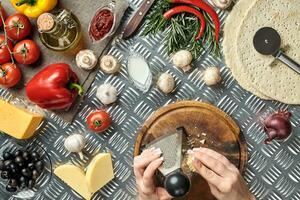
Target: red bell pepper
(55, 87)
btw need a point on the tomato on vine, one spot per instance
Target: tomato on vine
(4, 51)
(10, 75)
(17, 26)
(26, 52)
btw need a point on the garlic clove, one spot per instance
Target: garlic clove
(107, 94)
(86, 59)
(109, 64)
(75, 144)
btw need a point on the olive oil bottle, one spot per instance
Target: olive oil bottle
(60, 30)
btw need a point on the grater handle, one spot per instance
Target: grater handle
(177, 184)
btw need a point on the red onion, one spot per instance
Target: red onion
(278, 126)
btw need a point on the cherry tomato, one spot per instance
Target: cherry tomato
(4, 52)
(17, 26)
(26, 52)
(10, 75)
(98, 121)
(3, 14)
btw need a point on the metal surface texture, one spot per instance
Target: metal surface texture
(273, 171)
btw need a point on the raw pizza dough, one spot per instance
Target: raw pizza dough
(274, 79)
(232, 25)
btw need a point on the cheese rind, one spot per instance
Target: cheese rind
(99, 172)
(75, 178)
(17, 122)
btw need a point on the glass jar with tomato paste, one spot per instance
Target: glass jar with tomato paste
(106, 20)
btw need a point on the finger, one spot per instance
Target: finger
(214, 190)
(148, 176)
(211, 163)
(142, 161)
(217, 156)
(210, 176)
(147, 151)
(163, 194)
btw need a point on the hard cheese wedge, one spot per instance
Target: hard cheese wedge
(99, 172)
(17, 122)
(75, 178)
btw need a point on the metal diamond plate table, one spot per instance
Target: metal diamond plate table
(273, 171)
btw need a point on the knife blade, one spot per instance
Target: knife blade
(137, 18)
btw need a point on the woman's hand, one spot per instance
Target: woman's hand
(224, 178)
(145, 166)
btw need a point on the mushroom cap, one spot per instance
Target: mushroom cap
(166, 83)
(107, 94)
(109, 64)
(182, 58)
(222, 4)
(212, 76)
(86, 59)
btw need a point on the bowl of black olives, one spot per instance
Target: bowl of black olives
(24, 170)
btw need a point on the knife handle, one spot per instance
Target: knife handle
(288, 61)
(139, 15)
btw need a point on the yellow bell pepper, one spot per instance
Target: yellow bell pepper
(33, 8)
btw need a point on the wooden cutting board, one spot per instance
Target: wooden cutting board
(221, 134)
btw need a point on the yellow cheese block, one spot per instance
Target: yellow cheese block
(17, 122)
(75, 178)
(99, 172)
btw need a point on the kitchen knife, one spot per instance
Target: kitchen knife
(267, 41)
(137, 18)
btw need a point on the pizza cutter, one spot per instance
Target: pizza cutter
(267, 41)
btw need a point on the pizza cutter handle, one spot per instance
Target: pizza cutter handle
(288, 61)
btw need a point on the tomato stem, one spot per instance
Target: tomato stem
(97, 123)
(30, 2)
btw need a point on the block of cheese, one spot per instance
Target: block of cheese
(18, 122)
(75, 178)
(99, 172)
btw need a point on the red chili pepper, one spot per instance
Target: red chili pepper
(179, 9)
(55, 87)
(207, 8)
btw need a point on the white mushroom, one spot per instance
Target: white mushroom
(107, 94)
(182, 59)
(222, 4)
(86, 59)
(75, 143)
(109, 64)
(212, 76)
(166, 83)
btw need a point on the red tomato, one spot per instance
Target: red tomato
(4, 52)
(98, 121)
(10, 75)
(26, 52)
(3, 14)
(17, 26)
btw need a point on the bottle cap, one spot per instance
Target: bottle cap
(45, 22)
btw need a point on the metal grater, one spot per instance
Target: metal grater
(172, 146)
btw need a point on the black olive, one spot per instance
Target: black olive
(20, 161)
(35, 174)
(6, 164)
(5, 175)
(39, 166)
(26, 172)
(13, 182)
(1, 164)
(31, 184)
(10, 188)
(18, 153)
(26, 156)
(35, 156)
(31, 166)
(7, 155)
(23, 182)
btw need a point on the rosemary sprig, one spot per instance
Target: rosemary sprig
(181, 30)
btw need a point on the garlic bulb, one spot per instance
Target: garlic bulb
(107, 94)
(75, 143)
(109, 64)
(212, 76)
(182, 59)
(86, 59)
(166, 83)
(222, 4)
